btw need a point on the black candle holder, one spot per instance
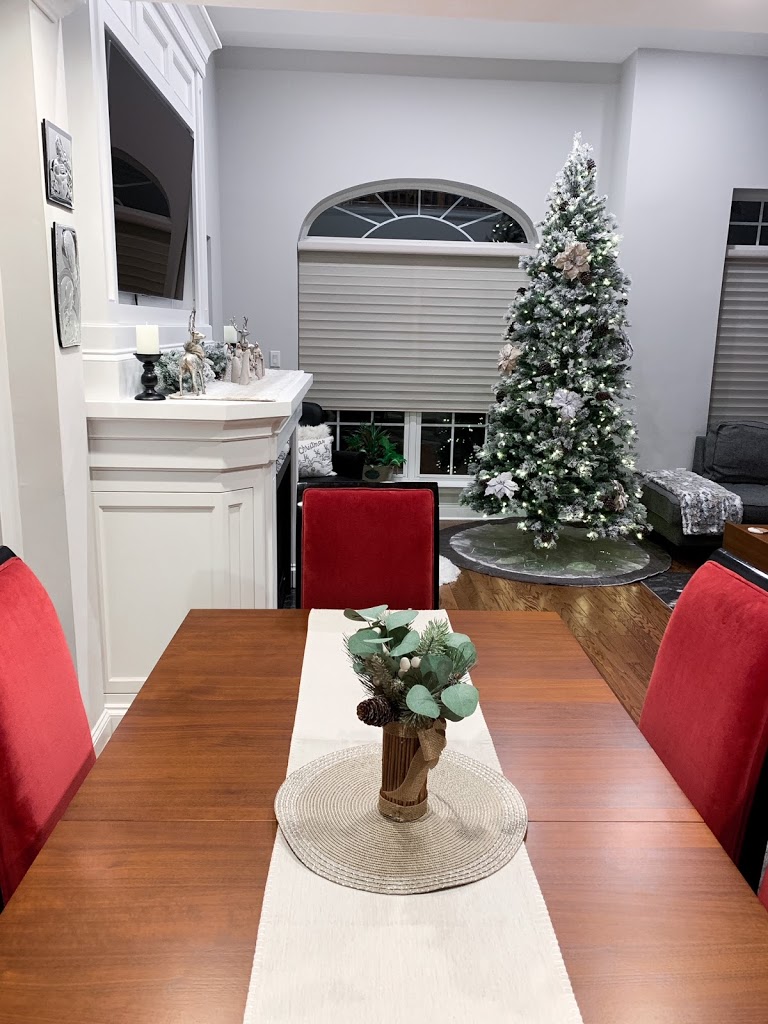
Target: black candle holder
(149, 377)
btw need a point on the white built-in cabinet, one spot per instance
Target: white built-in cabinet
(183, 492)
(185, 516)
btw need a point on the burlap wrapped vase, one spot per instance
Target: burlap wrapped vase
(407, 756)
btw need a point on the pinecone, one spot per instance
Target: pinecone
(375, 711)
(603, 396)
(591, 165)
(545, 368)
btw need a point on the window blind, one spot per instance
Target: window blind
(740, 376)
(403, 331)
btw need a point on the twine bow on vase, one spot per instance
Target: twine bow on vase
(408, 756)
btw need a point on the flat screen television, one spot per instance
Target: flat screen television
(152, 151)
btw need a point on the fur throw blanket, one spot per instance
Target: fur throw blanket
(705, 506)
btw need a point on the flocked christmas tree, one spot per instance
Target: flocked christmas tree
(560, 438)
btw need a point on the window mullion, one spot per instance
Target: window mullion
(412, 446)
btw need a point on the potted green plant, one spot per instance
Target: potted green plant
(381, 456)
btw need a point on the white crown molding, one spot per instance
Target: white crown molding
(200, 19)
(193, 31)
(56, 9)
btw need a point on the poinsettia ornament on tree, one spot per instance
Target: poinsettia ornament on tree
(574, 261)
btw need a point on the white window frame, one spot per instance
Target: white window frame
(434, 185)
(750, 196)
(412, 425)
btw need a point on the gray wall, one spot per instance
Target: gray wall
(697, 132)
(289, 139)
(674, 134)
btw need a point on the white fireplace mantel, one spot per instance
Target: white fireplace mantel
(184, 513)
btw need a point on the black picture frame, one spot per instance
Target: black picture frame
(57, 158)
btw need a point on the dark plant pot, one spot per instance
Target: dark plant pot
(378, 474)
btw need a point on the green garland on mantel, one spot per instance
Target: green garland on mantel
(167, 367)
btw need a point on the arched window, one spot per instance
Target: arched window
(403, 290)
(418, 214)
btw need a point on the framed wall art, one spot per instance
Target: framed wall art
(57, 152)
(66, 271)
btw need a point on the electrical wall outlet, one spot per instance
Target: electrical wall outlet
(274, 359)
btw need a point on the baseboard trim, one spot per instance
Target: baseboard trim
(116, 712)
(102, 731)
(107, 722)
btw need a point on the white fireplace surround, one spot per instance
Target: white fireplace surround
(185, 516)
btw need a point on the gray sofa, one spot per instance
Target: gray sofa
(734, 455)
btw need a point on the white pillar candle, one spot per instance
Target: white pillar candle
(147, 339)
(230, 334)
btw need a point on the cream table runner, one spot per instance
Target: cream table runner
(485, 953)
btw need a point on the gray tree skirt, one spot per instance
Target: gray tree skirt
(668, 586)
(498, 548)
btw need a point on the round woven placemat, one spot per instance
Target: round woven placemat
(328, 813)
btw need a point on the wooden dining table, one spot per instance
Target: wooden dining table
(143, 907)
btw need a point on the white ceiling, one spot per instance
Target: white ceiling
(583, 37)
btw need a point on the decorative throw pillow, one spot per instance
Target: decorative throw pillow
(282, 456)
(314, 446)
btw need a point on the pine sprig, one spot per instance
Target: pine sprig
(434, 637)
(382, 676)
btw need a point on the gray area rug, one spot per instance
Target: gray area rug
(499, 548)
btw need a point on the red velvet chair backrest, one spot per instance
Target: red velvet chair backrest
(706, 710)
(363, 546)
(45, 743)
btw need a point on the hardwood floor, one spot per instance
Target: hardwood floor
(620, 628)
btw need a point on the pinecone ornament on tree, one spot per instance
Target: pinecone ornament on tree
(375, 711)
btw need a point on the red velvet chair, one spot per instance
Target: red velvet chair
(45, 743)
(706, 711)
(763, 894)
(364, 544)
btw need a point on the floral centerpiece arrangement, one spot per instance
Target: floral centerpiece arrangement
(415, 683)
(412, 678)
